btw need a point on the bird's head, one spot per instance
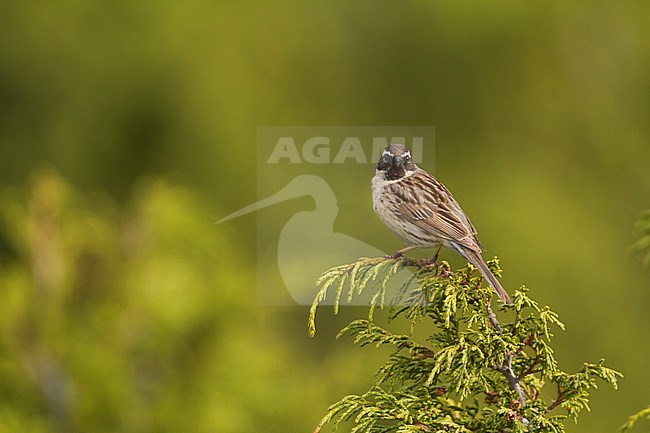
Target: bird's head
(395, 162)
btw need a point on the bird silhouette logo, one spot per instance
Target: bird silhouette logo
(307, 244)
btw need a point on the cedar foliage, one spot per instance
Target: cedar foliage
(641, 246)
(472, 373)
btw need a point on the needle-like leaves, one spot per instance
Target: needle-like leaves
(437, 384)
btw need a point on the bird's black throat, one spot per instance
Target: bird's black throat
(395, 171)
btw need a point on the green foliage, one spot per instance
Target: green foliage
(471, 373)
(631, 422)
(129, 318)
(642, 245)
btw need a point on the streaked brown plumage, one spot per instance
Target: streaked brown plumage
(421, 211)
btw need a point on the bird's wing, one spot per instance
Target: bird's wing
(429, 205)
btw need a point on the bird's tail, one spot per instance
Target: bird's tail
(475, 258)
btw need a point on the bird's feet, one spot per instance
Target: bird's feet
(434, 259)
(433, 263)
(424, 263)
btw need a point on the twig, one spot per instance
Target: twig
(321, 424)
(529, 370)
(513, 382)
(558, 400)
(493, 319)
(506, 367)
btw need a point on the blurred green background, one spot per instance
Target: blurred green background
(128, 128)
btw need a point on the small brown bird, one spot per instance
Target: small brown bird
(420, 211)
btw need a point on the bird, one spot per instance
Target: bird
(418, 209)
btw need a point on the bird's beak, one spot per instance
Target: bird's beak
(385, 162)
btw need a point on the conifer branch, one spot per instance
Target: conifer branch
(506, 367)
(559, 399)
(513, 382)
(642, 414)
(493, 318)
(435, 385)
